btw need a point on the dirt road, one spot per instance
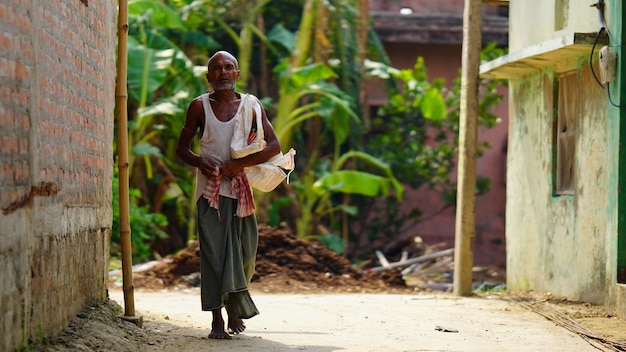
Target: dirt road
(356, 322)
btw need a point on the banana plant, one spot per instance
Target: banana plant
(317, 201)
(334, 107)
(241, 21)
(308, 90)
(162, 80)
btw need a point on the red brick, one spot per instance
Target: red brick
(6, 41)
(25, 49)
(9, 16)
(5, 93)
(8, 145)
(23, 121)
(23, 23)
(5, 70)
(20, 171)
(22, 72)
(21, 96)
(23, 145)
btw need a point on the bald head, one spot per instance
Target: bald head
(223, 71)
(223, 55)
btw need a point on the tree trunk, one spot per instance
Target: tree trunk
(466, 180)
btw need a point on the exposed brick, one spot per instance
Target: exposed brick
(21, 96)
(5, 94)
(23, 23)
(23, 121)
(22, 73)
(9, 145)
(23, 145)
(6, 41)
(24, 48)
(57, 76)
(20, 171)
(5, 70)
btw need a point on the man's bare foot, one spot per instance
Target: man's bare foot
(218, 332)
(236, 326)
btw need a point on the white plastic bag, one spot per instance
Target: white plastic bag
(268, 175)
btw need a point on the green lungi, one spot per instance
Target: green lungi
(228, 246)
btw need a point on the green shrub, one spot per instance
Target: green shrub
(145, 227)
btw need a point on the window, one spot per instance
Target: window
(565, 132)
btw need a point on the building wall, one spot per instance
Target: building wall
(616, 217)
(559, 244)
(556, 243)
(57, 81)
(550, 19)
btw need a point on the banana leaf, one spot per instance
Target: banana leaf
(353, 182)
(160, 14)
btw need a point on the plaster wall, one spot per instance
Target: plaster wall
(535, 21)
(557, 243)
(57, 88)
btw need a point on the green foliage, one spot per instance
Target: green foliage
(320, 74)
(334, 243)
(353, 182)
(145, 227)
(162, 15)
(488, 287)
(416, 133)
(162, 80)
(413, 132)
(273, 213)
(491, 51)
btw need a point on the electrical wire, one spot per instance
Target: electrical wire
(593, 72)
(608, 93)
(600, 6)
(593, 48)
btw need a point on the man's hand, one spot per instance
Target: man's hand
(209, 167)
(232, 167)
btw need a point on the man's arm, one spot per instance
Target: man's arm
(233, 166)
(193, 122)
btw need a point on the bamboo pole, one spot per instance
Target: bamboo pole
(363, 28)
(121, 97)
(466, 180)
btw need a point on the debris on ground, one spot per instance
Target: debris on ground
(97, 328)
(578, 317)
(286, 263)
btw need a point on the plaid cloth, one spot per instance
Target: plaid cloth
(238, 185)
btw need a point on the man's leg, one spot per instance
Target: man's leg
(236, 325)
(248, 235)
(217, 327)
(210, 265)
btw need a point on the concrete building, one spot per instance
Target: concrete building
(433, 29)
(57, 88)
(565, 213)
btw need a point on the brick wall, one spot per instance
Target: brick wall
(57, 87)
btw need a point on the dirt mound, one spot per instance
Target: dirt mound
(284, 263)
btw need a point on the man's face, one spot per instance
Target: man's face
(223, 72)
